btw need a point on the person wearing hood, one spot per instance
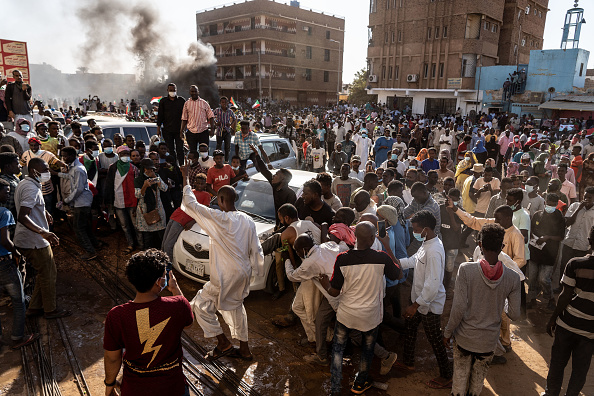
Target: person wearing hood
(147, 190)
(22, 133)
(482, 289)
(5, 139)
(480, 152)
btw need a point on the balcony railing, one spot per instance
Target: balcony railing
(268, 51)
(229, 30)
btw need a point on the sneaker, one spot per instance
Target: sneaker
(498, 360)
(387, 363)
(359, 389)
(315, 359)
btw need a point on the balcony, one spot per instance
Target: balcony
(285, 53)
(237, 29)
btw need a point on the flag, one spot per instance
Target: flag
(141, 112)
(233, 102)
(256, 105)
(156, 99)
(369, 117)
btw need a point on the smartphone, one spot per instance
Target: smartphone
(167, 271)
(381, 228)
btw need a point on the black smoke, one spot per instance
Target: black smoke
(116, 30)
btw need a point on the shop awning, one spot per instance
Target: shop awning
(566, 105)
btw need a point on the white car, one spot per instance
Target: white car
(191, 255)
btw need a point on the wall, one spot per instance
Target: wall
(493, 77)
(556, 68)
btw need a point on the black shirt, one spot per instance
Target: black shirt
(170, 113)
(324, 215)
(450, 238)
(551, 224)
(281, 196)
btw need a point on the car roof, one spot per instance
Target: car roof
(297, 181)
(126, 124)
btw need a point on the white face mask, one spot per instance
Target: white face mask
(235, 168)
(204, 154)
(172, 94)
(529, 189)
(25, 127)
(95, 153)
(45, 177)
(125, 159)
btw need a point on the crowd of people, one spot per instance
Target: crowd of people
(394, 200)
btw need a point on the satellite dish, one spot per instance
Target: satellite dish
(551, 89)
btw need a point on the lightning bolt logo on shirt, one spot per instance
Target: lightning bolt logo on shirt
(148, 333)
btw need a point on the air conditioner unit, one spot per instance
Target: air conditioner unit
(306, 28)
(373, 78)
(412, 78)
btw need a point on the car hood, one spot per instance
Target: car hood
(197, 235)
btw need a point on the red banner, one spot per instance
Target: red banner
(14, 56)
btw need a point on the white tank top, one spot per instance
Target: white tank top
(307, 227)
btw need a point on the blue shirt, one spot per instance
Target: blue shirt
(429, 164)
(381, 155)
(399, 240)
(6, 219)
(321, 133)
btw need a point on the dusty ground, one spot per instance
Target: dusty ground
(278, 367)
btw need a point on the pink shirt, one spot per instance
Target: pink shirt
(197, 113)
(504, 142)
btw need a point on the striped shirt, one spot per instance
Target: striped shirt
(197, 113)
(244, 144)
(578, 316)
(225, 118)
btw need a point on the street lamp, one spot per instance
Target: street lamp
(338, 72)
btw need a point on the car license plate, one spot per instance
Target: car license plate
(195, 267)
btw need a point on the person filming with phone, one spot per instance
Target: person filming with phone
(150, 214)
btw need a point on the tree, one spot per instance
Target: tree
(359, 95)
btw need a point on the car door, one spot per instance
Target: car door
(286, 155)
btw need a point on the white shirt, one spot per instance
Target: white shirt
(333, 202)
(234, 248)
(357, 175)
(118, 198)
(577, 233)
(444, 139)
(429, 265)
(362, 148)
(317, 156)
(309, 228)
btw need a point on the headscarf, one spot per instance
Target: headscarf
(513, 169)
(123, 167)
(539, 165)
(515, 144)
(446, 153)
(398, 204)
(479, 148)
(490, 136)
(423, 155)
(18, 129)
(389, 213)
(150, 194)
(343, 232)
(463, 165)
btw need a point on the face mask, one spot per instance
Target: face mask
(364, 135)
(204, 154)
(457, 203)
(235, 168)
(419, 237)
(529, 189)
(411, 157)
(514, 207)
(45, 177)
(412, 167)
(108, 150)
(95, 153)
(100, 136)
(550, 209)
(125, 159)
(172, 94)
(25, 127)
(394, 156)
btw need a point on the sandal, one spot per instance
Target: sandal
(399, 365)
(58, 313)
(237, 354)
(128, 250)
(435, 384)
(26, 340)
(216, 353)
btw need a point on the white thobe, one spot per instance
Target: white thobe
(362, 149)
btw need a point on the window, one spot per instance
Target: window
(540, 14)
(535, 11)
(441, 70)
(373, 6)
(396, 73)
(283, 149)
(425, 70)
(308, 74)
(326, 76)
(473, 26)
(326, 55)
(468, 65)
(393, 36)
(387, 4)
(494, 28)
(383, 72)
(399, 36)
(445, 31)
(524, 42)
(389, 72)
(487, 25)
(309, 30)
(327, 34)
(386, 37)
(515, 49)
(581, 69)
(527, 9)
(370, 36)
(429, 33)
(401, 2)
(308, 52)
(437, 32)
(433, 70)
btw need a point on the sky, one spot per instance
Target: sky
(54, 34)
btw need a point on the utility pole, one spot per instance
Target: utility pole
(259, 74)
(339, 72)
(270, 83)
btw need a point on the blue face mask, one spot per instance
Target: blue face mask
(550, 209)
(394, 156)
(364, 135)
(419, 236)
(108, 150)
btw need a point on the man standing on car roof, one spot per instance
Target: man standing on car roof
(196, 117)
(243, 140)
(170, 118)
(234, 252)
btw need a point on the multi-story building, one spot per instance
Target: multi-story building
(271, 50)
(423, 54)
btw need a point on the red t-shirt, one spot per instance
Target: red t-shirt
(150, 333)
(182, 217)
(220, 177)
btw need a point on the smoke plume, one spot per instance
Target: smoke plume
(117, 30)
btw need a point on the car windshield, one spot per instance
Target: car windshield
(255, 197)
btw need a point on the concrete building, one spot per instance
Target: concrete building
(270, 50)
(424, 53)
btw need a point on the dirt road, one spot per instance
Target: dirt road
(278, 367)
